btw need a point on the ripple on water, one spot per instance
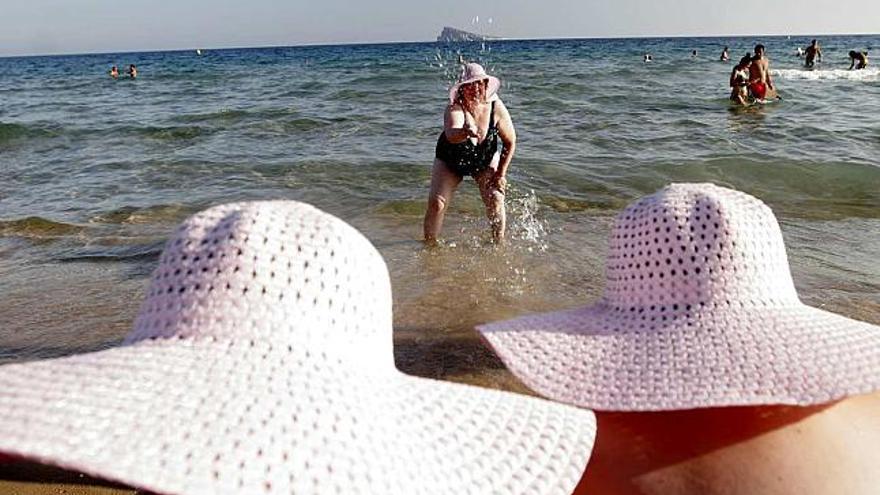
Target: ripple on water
(38, 228)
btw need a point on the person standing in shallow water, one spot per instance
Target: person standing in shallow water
(812, 54)
(474, 121)
(739, 81)
(760, 84)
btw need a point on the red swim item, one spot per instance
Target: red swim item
(758, 90)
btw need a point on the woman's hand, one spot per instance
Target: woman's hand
(471, 130)
(499, 182)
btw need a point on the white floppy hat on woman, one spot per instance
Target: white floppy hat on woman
(699, 311)
(471, 73)
(261, 362)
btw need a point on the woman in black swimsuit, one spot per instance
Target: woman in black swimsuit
(475, 120)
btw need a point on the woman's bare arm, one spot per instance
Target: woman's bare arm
(455, 125)
(508, 138)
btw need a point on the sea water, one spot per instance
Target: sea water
(95, 172)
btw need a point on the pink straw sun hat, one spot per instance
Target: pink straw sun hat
(699, 311)
(473, 72)
(261, 362)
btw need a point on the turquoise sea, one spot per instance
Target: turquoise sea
(95, 172)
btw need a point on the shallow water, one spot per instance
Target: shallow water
(95, 173)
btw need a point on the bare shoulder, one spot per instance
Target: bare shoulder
(835, 447)
(505, 123)
(501, 109)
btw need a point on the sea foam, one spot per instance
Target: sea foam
(872, 74)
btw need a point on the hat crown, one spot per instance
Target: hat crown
(697, 245)
(273, 272)
(471, 71)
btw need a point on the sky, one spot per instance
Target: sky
(98, 26)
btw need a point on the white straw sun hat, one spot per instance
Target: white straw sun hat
(471, 73)
(699, 311)
(261, 362)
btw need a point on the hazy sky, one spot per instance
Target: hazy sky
(79, 26)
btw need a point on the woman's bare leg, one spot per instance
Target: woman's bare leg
(443, 184)
(493, 198)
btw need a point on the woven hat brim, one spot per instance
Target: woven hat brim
(603, 359)
(216, 417)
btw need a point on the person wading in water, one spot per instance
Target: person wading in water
(474, 122)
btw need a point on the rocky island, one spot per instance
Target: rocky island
(452, 35)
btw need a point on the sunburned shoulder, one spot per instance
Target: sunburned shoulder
(772, 450)
(811, 451)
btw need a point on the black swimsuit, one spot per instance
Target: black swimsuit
(467, 158)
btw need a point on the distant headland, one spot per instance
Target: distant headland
(450, 34)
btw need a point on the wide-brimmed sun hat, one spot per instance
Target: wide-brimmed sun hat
(699, 310)
(261, 362)
(470, 73)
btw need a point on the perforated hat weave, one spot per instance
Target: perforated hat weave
(699, 310)
(261, 362)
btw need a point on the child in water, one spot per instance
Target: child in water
(739, 81)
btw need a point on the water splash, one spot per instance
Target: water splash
(450, 57)
(449, 60)
(525, 225)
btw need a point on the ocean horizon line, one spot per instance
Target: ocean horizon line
(419, 42)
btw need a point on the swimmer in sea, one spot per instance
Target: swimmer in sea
(858, 60)
(725, 55)
(114, 72)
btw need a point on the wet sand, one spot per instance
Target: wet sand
(23, 478)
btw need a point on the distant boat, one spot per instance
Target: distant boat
(198, 51)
